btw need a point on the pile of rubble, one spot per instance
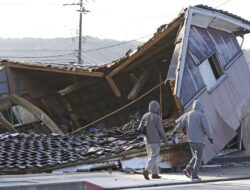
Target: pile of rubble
(31, 153)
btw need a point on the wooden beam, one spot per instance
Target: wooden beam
(153, 54)
(133, 77)
(172, 26)
(50, 69)
(113, 86)
(10, 80)
(138, 85)
(179, 106)
(37, 112)
(5, 103)
(161, 99)
(73, 87)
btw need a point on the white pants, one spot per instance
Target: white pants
(153, 151)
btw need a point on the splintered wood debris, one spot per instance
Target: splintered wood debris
(32, 153)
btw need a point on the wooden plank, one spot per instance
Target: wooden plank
(133, 77)
(37, 112)
(73, 87)
(145, 48)
(161, 102)
(10, 80)
(138, 85)
(113, 86)
(5, 103)
(179, 106)
(156, 54)
(49, 69)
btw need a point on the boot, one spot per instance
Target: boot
(156, 176)
(145, 173)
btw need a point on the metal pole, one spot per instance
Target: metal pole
(80, 36)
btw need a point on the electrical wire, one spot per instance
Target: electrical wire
(85, 51)
(90, 50)
(33, 50)
(118, 44)
(35, 57)
(220, 5)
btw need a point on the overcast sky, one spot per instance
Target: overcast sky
(108, 19)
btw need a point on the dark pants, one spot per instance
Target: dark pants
(195, 163)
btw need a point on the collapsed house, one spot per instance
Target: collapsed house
(196, 56)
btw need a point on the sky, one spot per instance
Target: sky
(122, 20)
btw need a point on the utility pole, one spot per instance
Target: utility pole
(82, 10)
(80, 37)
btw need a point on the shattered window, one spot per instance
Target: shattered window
(210, 70)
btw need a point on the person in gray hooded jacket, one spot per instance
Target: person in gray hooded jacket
(152, 138)
(196, 126)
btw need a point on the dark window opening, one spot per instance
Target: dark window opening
(214, 63)
(211, 71)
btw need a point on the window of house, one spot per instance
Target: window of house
(210, 71)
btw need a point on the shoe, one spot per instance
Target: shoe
(145, 174)
(196, 179)
(156, 176)
(187, 172)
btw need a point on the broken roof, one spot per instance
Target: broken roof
(202, 15)
(156, 51)
(33, 153)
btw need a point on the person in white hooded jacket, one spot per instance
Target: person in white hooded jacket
(196, 126)
(154, 136)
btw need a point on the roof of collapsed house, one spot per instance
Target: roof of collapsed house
(60, 101)
(131, 55)
(33, 153)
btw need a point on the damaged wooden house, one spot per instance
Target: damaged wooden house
(196, 56)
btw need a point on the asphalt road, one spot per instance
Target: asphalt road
(222, 185)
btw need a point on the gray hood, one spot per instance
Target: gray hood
(197, 105)
(154, 107)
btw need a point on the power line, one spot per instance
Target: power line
(118, 44)
(223, 3)
(31, 57)
(36, 50)
(60, 55)
(85, 51)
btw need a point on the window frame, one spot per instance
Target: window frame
(215, 68)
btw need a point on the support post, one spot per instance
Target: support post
(138, 85)
(113, 86)
(161, 103)
(10, 80)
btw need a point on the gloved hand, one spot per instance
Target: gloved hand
(211, 140)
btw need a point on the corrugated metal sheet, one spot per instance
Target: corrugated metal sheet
(202, 43)
(221, 106)
(244, 115)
